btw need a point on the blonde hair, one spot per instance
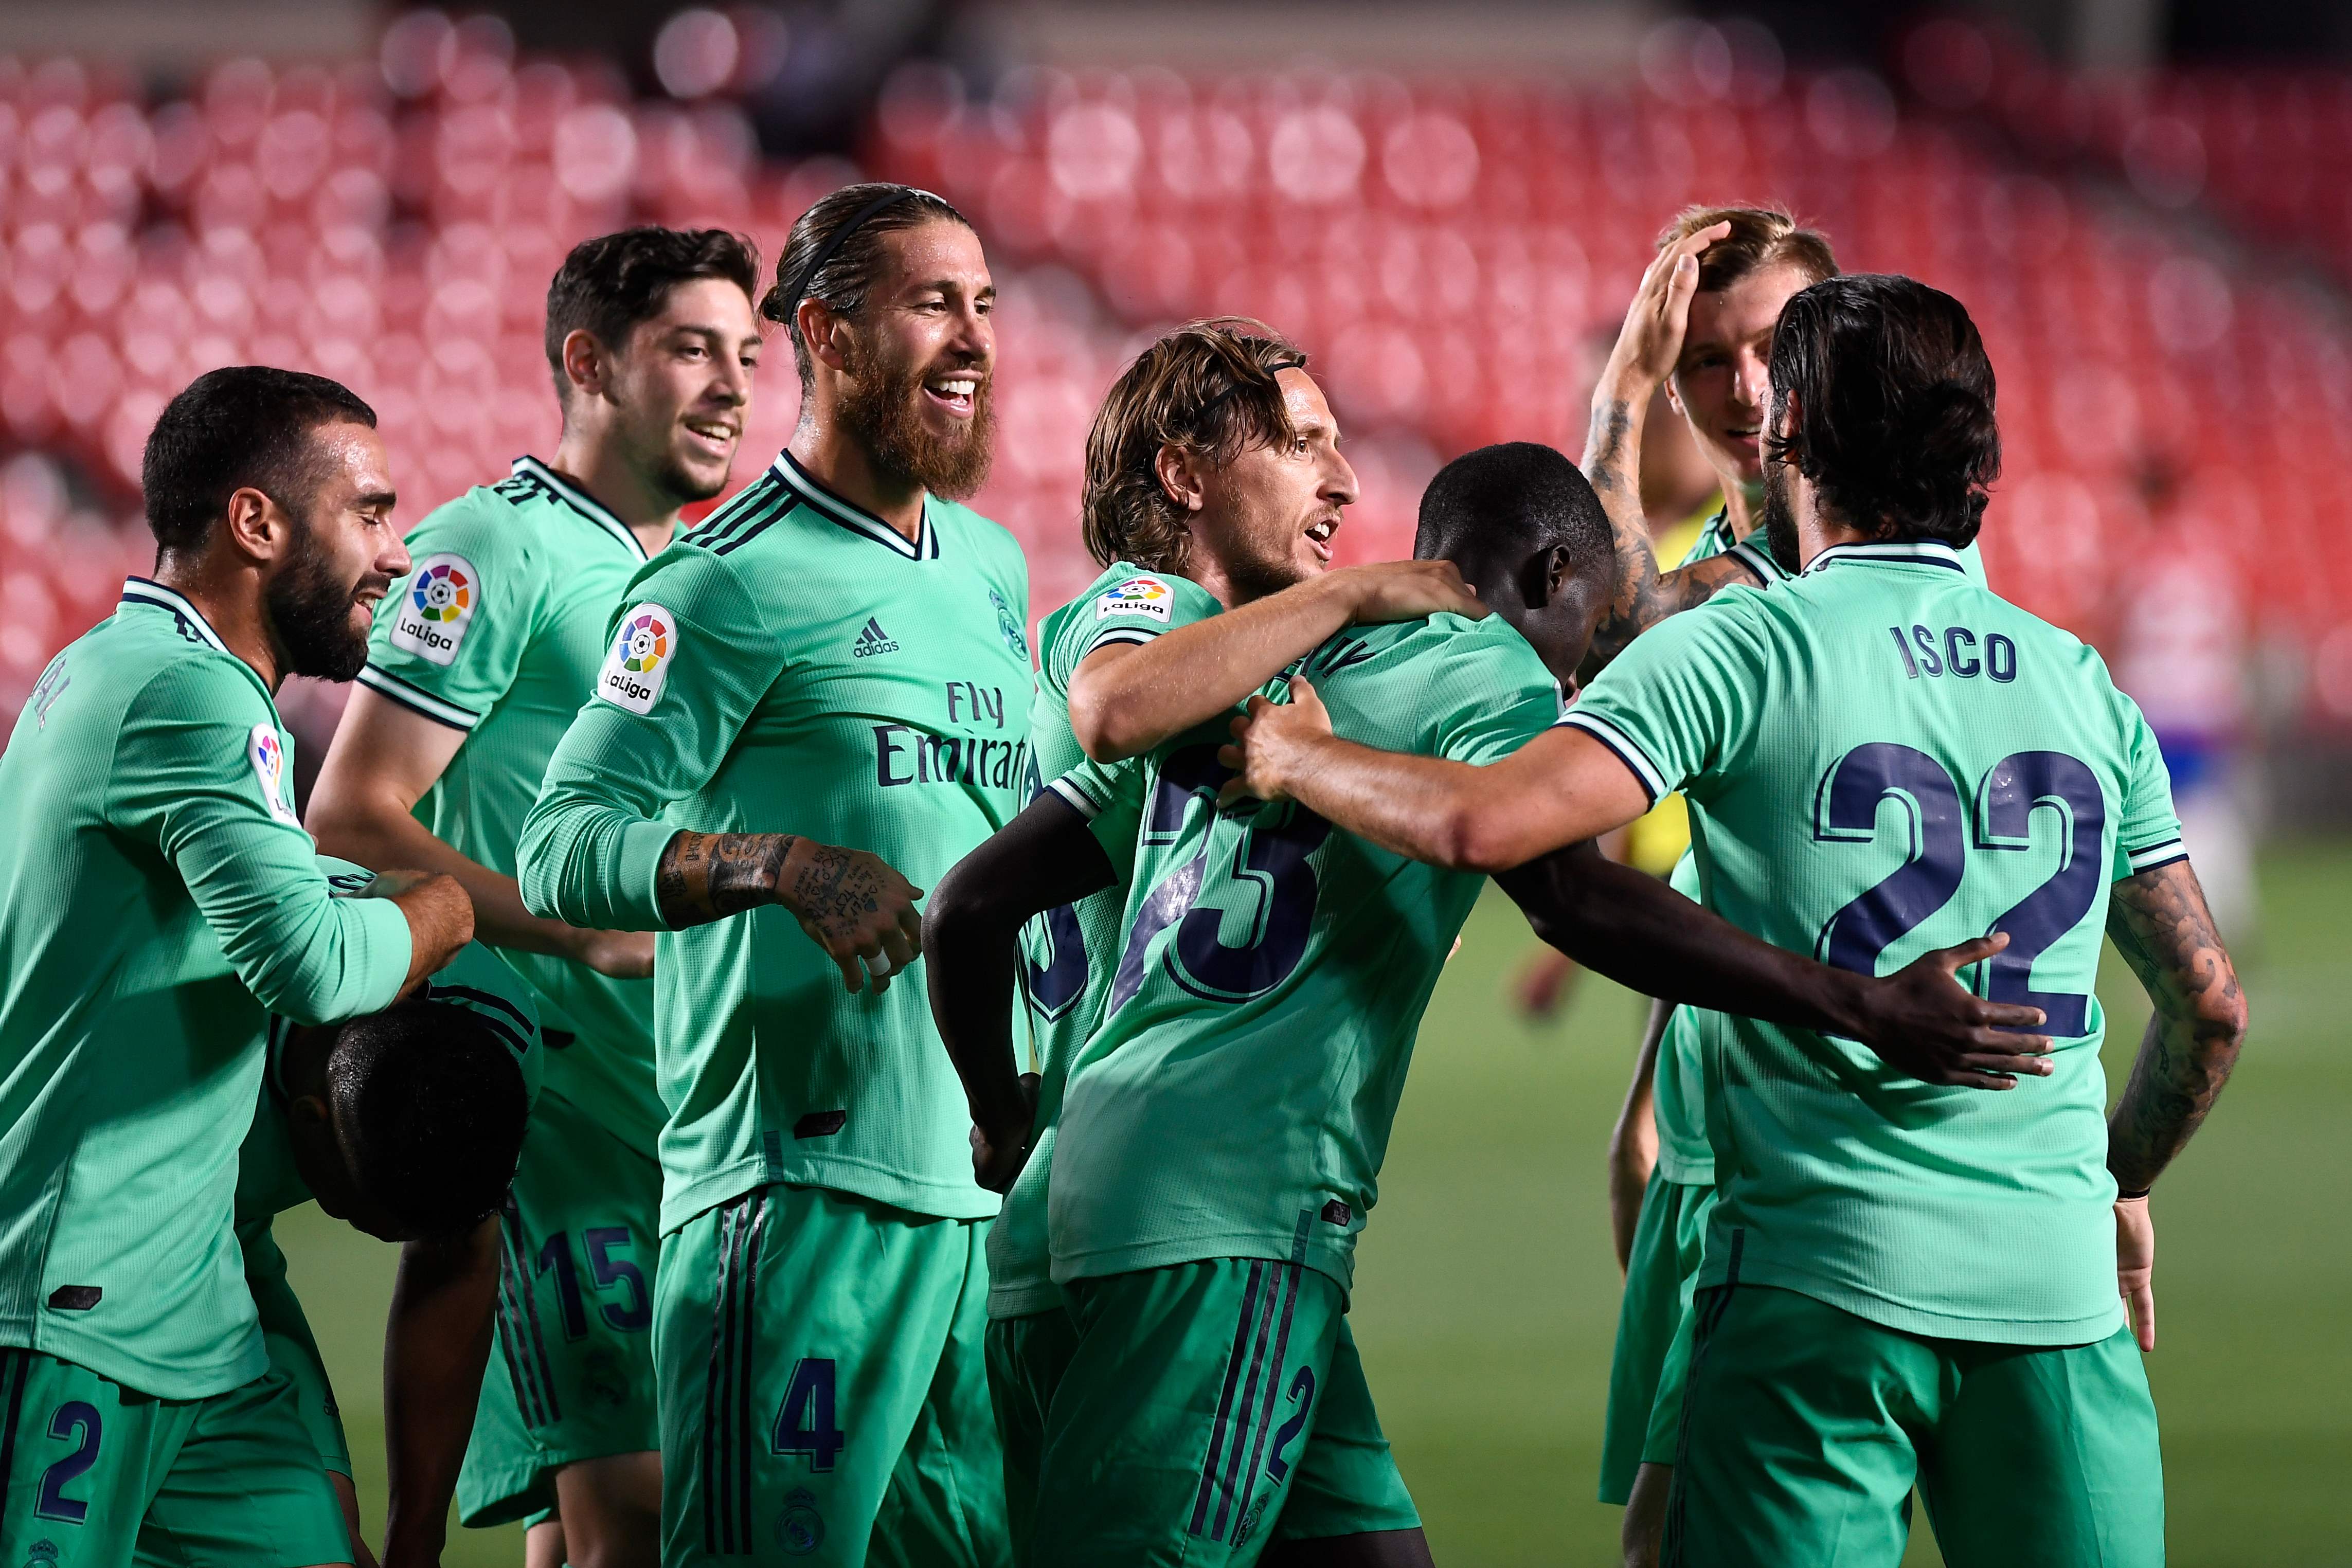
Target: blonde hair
(1759, 237)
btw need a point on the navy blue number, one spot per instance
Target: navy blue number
(1847, 811)
(556, 1253)
(1061, 980)
(2018, 786)
(1302, 1394)
(74, 1419)
(805, 1421)
(608, 1270)
(1189, 773)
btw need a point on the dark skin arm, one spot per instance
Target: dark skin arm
(851, 903)
(1044, 858)
(1639, 932)
(435, 1346)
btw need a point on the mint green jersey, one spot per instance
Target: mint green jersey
(797, 665)
(1237, 1099)
(158, 900)
(1071, 950)
(1883, 758)
(498, 631)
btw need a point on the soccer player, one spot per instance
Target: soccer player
(816, 693)
(1215, 485)
(157, 901)
(1902, 1284)
(406, 1124)
(1249, 1075)
(475, 670)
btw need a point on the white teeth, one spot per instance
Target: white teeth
(958, 388)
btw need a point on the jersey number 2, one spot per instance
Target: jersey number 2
(74, 1419)
(2013, 789)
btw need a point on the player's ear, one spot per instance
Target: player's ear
(258, 527)
(818, 328)
(585, 362)
(1179, 471)
(1558, 569)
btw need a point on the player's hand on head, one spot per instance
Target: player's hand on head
(622, 954)
(1651, 341)
(1269, 742)
(1921, 1020)
(1411, 589)
(2135, 1267)
(857, 908)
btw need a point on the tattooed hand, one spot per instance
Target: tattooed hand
(855, 907)
(704, 877)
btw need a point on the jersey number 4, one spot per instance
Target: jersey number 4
(1268, 863)
(2014, 788)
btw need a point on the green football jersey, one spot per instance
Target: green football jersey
(158, 900)
(1237, 1099)
(498, 631)
(1959, 767)
(1070, 950)
(797, 665)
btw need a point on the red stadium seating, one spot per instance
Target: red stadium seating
(1454, 254)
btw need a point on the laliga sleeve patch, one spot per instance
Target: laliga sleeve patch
(436, 606)
(637, 667)
(266, 753)
(1145, 596)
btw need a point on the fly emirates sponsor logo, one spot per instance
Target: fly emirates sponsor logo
(968, 748)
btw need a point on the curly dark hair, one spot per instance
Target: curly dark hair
(1894, 405)
(1207, 386)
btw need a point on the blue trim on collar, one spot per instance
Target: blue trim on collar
(155, 596)
(579, 500)
(855, 517)
(1898, 553)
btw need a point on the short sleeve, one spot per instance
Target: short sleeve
(1135, 609)
(689, 657)
(1681, 699)
(2149, 835)
(1105, 794)
(450, 635)
(1487, 696)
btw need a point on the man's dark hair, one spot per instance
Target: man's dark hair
(431, 1106)
(1513, 499)
(609, 284)
(1208, 387)
(243, 426)
(1894, 406)
(848, 273)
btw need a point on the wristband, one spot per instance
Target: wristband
(2123, 1197)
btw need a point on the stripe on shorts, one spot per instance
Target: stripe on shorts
(17, 1367)
(1225, 1401)
(1233, 1478)
(526, 1353)
(1273, 1383)
(727, 1408)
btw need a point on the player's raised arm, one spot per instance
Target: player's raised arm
(1044, 858)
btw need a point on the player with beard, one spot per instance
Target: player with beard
(475, 671)
(158, 900)
(1902, 1284)
(821, 687)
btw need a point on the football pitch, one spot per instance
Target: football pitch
(1487, 1297)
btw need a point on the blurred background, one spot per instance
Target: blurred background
(2144, 204)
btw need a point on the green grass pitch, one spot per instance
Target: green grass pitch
(1487, 1295)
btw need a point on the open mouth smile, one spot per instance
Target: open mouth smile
(953, 392)
(1319, 535)
(716, 436)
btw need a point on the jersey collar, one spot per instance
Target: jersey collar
(580, 501)
(144, 590)
(855, 517)
(1905, 552)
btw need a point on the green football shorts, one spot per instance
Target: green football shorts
(1210, 1407)
(1805, 1427)
(1645, 1375)
(571, 1376)
(1026, 1358)
(97, 1476)
(825, 1386)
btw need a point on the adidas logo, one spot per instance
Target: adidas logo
(873, 640)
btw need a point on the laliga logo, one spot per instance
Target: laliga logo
(441, 593)
(1140, 590)
(269, 758)
(639, 650)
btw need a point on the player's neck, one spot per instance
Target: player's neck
(596, 469)
(1743, 508)
(230, 602)
(836, 458)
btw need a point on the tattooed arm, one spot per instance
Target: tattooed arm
(2158, 921)
(851, 903)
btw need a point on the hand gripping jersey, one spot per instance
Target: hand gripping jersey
(157, 901)
(1883, 758)
(1237, 1099)
(797, 665)
(1072, 950)
(498, 631)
